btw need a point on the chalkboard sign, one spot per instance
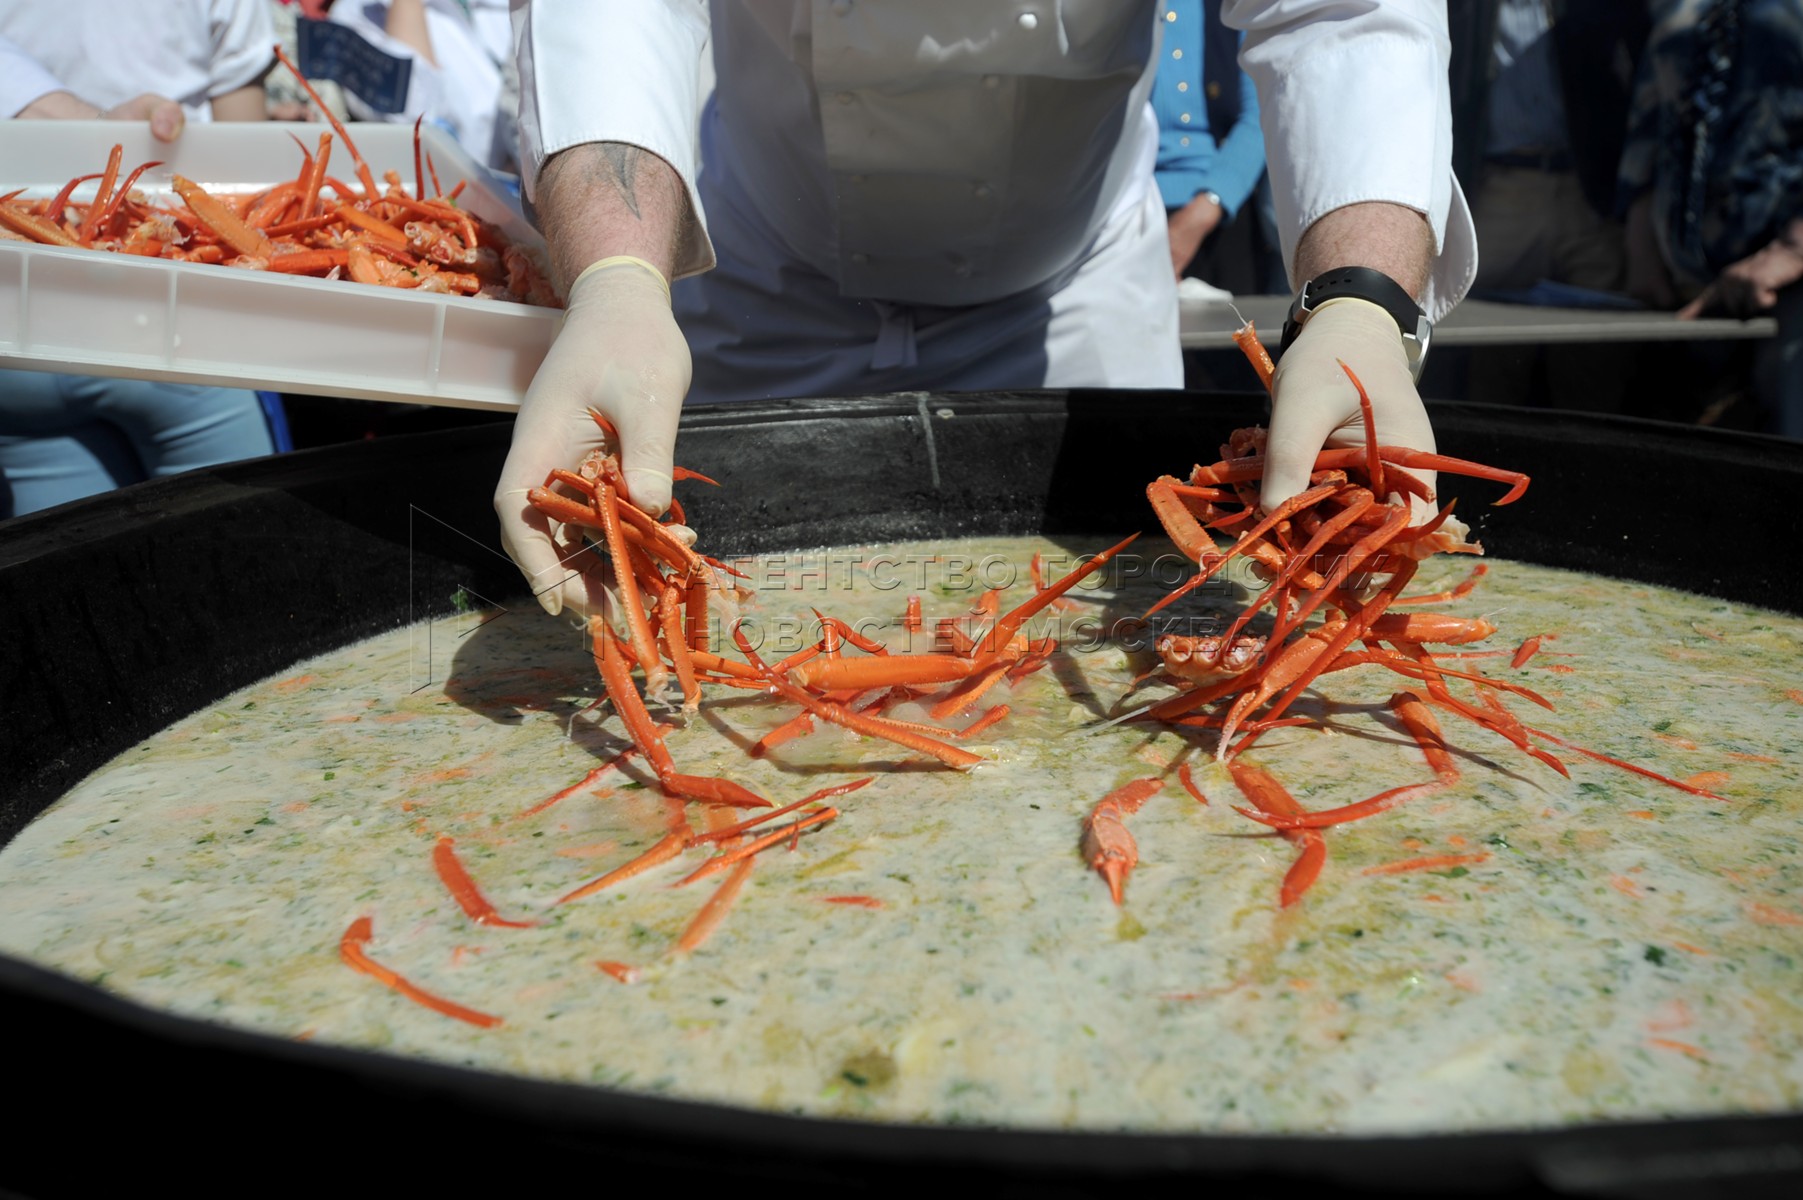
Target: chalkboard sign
(341, 54)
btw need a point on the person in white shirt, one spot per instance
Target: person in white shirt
(459, 51)
(946, 195)
(75, 59)
(63, 436)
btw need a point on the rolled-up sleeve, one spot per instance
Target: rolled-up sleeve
(22, 80)
(1356, 108)
(613, 71)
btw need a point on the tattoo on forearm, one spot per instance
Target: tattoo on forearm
(623, 163)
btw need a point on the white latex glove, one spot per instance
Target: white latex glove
(1314, 405)
(618, 351)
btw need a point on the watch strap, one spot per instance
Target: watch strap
(1361, 283)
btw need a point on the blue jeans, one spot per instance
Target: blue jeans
(63, 437)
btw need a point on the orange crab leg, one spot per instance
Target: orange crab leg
(463, 889)
(608, 504)
(1404, 665)
(273, 205)
(983, 722)
(797, 726)
(1107, 846)
(351, 950)
(1396, 517)
(1188, 779)
(751, 849)
(580, 786)
(31, 225)
(1419, 720)
(679, 556)
(714, 911)
(709, 790)
(1357, 500)
(1002, 633)
(303, 262)
(1402, 456)
(1374, 464)
(1435, 628)
(53, 212)
(695, 615)
(90, 221)
(1354, 629)
(363, 175)
(610, 661)
(1179, 523)
(661, 851)
(1626, 766)
(1272, 797)
(838, 714)
(222, 220)
(1500, 722)
(1246, 338)
(1326, 818)
(379, 229)
(1283, 511)
(862, 674)
(670, 617)
(732, 831)
(970, 691)
(713, 664)
(120, 196)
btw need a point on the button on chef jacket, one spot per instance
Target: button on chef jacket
(955, 152)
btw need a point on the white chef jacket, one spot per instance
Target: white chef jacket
(461, 92)
(948, 154)
(108, 51)
(1370, 74)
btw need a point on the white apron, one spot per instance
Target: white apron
(955, 193)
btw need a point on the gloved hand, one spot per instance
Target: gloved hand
(1314, 405)
(618, 351)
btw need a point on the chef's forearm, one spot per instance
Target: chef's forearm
(1391, 238)
(603, 199)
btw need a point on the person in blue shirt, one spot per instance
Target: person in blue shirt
(1211, 151)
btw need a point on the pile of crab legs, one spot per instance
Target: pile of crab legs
(1345, 544)
(644, 575)
(314, 225)
(1335, 545)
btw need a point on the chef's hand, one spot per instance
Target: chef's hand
(165, 116)
(1314, 405)
(619, 352)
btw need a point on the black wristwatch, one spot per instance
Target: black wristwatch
(1364, 283)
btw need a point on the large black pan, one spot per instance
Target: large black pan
(126, 612)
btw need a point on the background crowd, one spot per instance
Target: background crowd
(1615, 153)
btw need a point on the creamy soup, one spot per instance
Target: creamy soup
(1595, 947)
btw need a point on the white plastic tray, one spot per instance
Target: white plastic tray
(91, 313)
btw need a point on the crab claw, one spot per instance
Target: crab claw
(1107, 846)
